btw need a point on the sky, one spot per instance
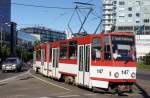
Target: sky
(56, 19)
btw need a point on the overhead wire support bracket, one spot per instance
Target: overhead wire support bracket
(85, 20)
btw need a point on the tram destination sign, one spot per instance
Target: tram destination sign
(122, 38)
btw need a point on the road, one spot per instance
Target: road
(143, 82)
(11, 74)
(143, 75)
(30, 85)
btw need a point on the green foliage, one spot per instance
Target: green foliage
(37, 42)
(5, 51)
(142, 66)
(24, 54)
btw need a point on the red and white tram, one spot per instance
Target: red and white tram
(106, 61)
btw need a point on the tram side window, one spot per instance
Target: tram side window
(96, 49)
(50, 52)
(38, 54)
(107, 55)
(42, 56)
(73, 50)
(34, 57)
(63, 51)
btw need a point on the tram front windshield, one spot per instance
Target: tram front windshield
(123, 47)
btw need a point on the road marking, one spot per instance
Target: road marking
(14, 77)
(61, 93)
(48, 82)
(89, 94)
(65, 96)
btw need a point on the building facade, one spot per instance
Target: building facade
(129, 16)
(5, 19)
(142, 45)
(126, 15)
(107, 15)
(45, 34)
(13, 38)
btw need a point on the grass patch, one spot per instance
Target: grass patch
(142, 66)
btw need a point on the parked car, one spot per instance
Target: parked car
(12, 64)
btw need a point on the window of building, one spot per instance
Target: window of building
(121, 3)
(96, 49)
(114, 20)
(137, 21)
(63, 51)
(130, 9)
(73, 50)
(125, 28)
(137, 14)
(129, 15)
(146, 20)
(120, 28)
(147, 27)
(114, 14)
(115, 2)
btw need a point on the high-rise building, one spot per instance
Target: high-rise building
(129, 16)
(13, 39)
(126, 15)
(107, 15)
(5, 19)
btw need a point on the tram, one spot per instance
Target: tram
(103, 61)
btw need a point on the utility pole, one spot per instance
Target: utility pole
(1, 37)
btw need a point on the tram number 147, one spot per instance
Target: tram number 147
(125, 72)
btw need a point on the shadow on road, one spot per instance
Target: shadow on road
(26, 78)
(143, 92)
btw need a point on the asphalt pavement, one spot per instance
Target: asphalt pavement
(12, 73)
(143, 75)
(27, 84)
(31, 85)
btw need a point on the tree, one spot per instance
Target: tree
(5, 51)
(37, 42)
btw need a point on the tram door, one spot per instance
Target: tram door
(42, 60)
(55, 60)
(84, 64)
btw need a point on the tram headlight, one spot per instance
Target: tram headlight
(116, 74)
(133, 75)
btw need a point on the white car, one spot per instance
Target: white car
(11, 64)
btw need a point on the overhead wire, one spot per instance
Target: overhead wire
(49, 7)
(61, 8)
(71, 19)
(79, 17)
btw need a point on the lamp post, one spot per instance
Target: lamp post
(1, 37)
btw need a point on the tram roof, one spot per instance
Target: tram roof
(83, 39)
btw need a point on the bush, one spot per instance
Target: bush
(146, 59)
